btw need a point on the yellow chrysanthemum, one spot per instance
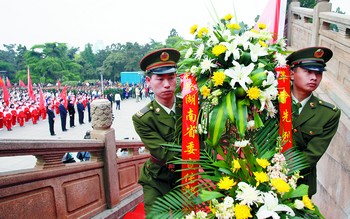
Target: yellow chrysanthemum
(308, 203)
(235, 165)
(234, 26)
(242, 211)
(260, 177)
(253, 93)
(261, 26)
(263, 162)
(193, 29)
(262, 43)
(228, 17)
(205, 91)
(280, 185)
(202, 32)
(219, 49)
(254, 31)
(218, 78)
(226, 183)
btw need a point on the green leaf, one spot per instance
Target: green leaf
(209, 195)
(300, 191)
(230, 102)
(242, 114)
(257, 120)
(218, 118)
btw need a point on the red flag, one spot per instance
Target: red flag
(30, 87)
(1, 82)
(63, 96)
(6, 95)
(21, 83)
(58, 84)
(41, 100)
(8, 83)
(274, 17)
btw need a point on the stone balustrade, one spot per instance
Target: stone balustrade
(53, 189)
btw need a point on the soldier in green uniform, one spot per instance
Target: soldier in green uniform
(155, 124)
(315, 121)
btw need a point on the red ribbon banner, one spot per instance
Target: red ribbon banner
(190, 139)
(285, 106)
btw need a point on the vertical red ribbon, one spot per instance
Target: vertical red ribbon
(285, 106)
(190, 139)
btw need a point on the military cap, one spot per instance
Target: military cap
(311, 58)
(162, 61)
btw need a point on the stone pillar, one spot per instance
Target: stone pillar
(290, 19)
(101, 121)
(321, 6)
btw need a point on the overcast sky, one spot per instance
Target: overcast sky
(78, 22)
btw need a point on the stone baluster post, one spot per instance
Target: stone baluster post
(101, 121)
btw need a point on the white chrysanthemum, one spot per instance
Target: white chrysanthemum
(271, 207)
(189, 53)
(194, 69)
(241, 144)
(192, 215)
(248, 195)
(200, 51)
(265, 35)
(206, 65)
(282, 43)
(251, 125)
(201, 215)
(281, 59)
(298, 204)
(256, 50)
(240, 74)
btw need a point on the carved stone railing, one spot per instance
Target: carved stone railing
(104, 185)
(321, 27)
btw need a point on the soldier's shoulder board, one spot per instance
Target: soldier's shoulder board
(143, 111)
(329, 105)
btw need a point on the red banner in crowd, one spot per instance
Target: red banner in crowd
(285, 106)
(190, 138)
(21, 83)
(30, 86)
(8, 82)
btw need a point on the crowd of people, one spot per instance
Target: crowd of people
(20, 109)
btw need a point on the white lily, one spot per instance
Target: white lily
(189, 53)
(231, 50)
(256, 50)
(240, 74)
(271, 206)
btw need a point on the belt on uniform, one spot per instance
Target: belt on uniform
(171, 167)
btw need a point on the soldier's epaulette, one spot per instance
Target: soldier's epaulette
(144, 110)
(329, 105)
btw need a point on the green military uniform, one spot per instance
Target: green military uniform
(156, 128)
(313, 130)
(318, 121)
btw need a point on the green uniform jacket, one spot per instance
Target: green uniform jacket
(156, 128)
(313, 131)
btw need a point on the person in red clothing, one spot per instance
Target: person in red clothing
(8, 118)
(14, 114)
(1, 117)
(34, 114)
(27, 112)
(21, 116)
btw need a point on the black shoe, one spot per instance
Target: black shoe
(53, 134)
(65, 130)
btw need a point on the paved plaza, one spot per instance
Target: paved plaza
(122, 124)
